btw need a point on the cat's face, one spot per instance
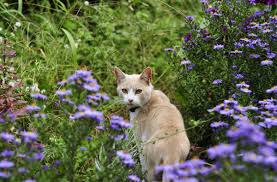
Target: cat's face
(135, 90)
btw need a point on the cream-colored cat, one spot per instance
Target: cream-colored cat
(159, 124)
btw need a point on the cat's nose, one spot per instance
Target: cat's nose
(130, 100)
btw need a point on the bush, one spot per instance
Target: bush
(229, 53)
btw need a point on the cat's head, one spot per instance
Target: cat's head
(136, 89)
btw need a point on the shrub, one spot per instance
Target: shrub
(230, 53)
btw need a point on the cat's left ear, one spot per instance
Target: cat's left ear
(146, 75)
(118, 74)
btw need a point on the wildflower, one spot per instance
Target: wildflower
(7, 137)
(7, 153)
(218, 46)
(126, 158)
(83, 148)
(22, 170)
(236, 52)
(38, 156)
(63, 93)
(221, 151)
(89, 138)
(134, 178)
(271, 55)
(32, 108)
(254, 56)
(219, 124)
(266, 62)
(39, 96)
(118, 123)
(40, 115)
(188, 37)
(28, 136)
(5, 164)
(242, 85)
(190, 18)
(217, 82)
(5, 174)
(100, 127)
(185, 62)
(238, 76)
(29, 180)
(272, 90)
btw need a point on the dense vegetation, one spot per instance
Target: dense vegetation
(60, 118)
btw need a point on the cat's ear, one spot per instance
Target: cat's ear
(118, 74)
(146, 75)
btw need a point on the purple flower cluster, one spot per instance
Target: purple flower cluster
(186, 171)
(125, 158)
(85, 112)
(118, 124)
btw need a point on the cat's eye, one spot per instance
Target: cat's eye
(138, 91)
(124, 90)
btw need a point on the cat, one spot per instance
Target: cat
(158, 123)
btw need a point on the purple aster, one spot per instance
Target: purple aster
(7, 153)
(92, 87)
(87, 113)
(29, 136)
(217, 82)
(5, 174)
(38, 156)
(246, 90)
(133, 178)
(236, 52)
(32, 108)
(271, 55)
(39, 96)
(238, 76)
(254, 56)
(126, 158)
(219, 124)
(190, 18)
(29, 180)
(266, 62)
(100, 127)
(238, 45)
(5, 164)
(83, 148)
(169, 49)
(89, 138)
(7, 137)
(188, 37)
(218, 46)
(272, 90)
(221, 151)
(63, 93)
(185, 62)
(62, 83)
(242, 85)
(22, 170)
(252, 158)
(118, 123)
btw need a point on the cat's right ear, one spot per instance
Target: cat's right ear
(118, 74)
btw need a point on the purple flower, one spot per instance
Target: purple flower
(87, 113)
(5, 164)
(100, 127)
(236, 52)
(242, 85)
(118, 123)
(40, 115)
(252, 157)
(83, 148)
(185, 62)
(126, 158)
(22, 170)
(221, 151)
(218, 46)
(7, 153)
(238, 76)
(219, 124)
(39, 96)
(254, 56)
(190, 18)
(32, 108)
(29, 180)
(266, 62)
(7, 137)
(89, 138)
(272, 90)
(5, 174)
(271, 55)
(29, 136)
(217, 82)
(188, 37)
(38, 156)
(63, 93)
(134, 178)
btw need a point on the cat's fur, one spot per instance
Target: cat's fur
(159, 124)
